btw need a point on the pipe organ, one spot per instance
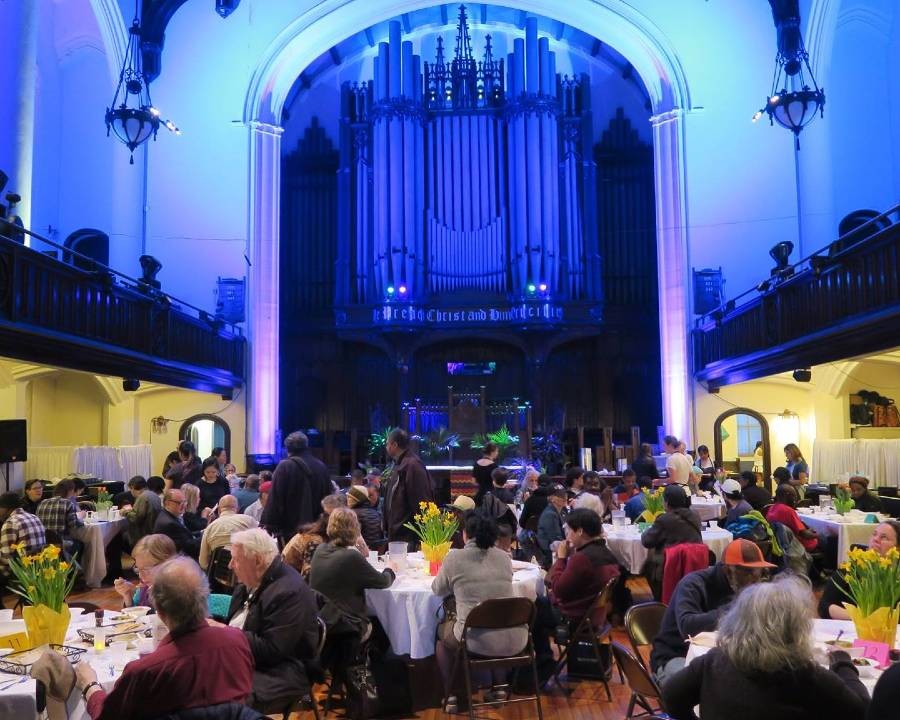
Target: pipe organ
(467, 177)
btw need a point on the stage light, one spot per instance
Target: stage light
(390, 290)
(803, 375)
(542, 287)
(402, 289)
(531, 288)
(131, 384)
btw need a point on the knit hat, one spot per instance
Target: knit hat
(357, 494)
(744, 553)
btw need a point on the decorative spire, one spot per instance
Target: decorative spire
(439, 55)
(463, 41)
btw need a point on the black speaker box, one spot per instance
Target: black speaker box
(12, 441)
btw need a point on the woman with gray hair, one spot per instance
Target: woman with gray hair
(277, 612)
(764, 666)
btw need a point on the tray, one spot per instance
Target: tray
(125, 628)
(20, 662)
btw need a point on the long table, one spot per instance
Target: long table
(625, 544)
(849, 529)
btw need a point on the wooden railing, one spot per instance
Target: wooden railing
(835, 305)
(54, 313)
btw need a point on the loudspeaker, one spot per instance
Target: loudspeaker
(13, 442)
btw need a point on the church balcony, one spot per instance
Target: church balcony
(104, 322)
(840, 302)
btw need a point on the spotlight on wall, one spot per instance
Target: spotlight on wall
(802, 375)
(130, 384)
(542, 287)
(390, 290)
(402, 289)
(531, 288)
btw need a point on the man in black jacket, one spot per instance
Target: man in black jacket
(700, 597)
(757, 496)
(169, 522)
(298, 485)
(277, 612)
(409, 486)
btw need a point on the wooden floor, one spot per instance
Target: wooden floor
(586, 700)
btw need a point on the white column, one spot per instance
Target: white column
(673, 272)
(18, 58)
(263, 287)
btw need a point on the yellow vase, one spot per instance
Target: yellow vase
(879, 626)
(45, 625)
(435, 555)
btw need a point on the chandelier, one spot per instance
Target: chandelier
(134, 123)
(796, 107)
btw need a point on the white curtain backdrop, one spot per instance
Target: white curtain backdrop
(104, 463)
(834, 461)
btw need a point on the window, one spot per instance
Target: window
(748, 434)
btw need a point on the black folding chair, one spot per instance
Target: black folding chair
(220, 575)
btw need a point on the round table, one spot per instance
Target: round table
(708, 509)
(850, 529)
(625, 544)
(408, 610)
(96, 536)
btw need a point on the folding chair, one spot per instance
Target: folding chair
(642, 623)
(308, 700)
(643, 687)
(498, 614)
(221, 577)
(585, 631)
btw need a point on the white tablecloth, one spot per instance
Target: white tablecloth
(822, 630)
(408, 610)
(625, 544)
(847, 533)
(711, 509)
(96, 537)
(103, 462)
(17, 701)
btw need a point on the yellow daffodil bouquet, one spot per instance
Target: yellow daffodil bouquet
(435, 531)
(654, 506)
(874, 583)
(843, 501)
(42, 579)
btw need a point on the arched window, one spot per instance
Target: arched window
(206, 432)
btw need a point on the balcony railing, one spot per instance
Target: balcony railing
(839, 302)
(106, 322)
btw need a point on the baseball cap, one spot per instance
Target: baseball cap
(744, 553)
(266, 487)
(463, 503)
(356, 494)
(731, 487)
(557, 491)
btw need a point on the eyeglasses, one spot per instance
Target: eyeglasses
(140, 570)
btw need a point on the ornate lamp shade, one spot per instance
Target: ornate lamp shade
(132, 125)
(795, 110)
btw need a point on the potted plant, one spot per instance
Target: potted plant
(843, 501)
(874, 589)
(654, 506)
(104, 503)
(44, 581)
(435, 531)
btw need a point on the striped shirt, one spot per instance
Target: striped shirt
(20, 527)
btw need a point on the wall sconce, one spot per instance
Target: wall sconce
(159, 425)
(787, 427)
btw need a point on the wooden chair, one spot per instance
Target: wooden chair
(642, 623)
(498, 614)
(643, 687)
(584, 630)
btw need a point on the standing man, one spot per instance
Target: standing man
(678, 464)
(410, 485)
(300, 482)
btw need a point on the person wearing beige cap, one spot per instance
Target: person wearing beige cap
(459, 507)
(371, 522)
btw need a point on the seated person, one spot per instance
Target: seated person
(501, 512)
(371, 522)
(499, 478)
(551, 522)
(763, 665)
(783, 511)
(886, 695)
(169, 522)
(885, 536)
(527, 486)
(584, 497)
(757, 496)
(59, 514)
(340, 571)
(626, 489)
(472, 575)
(277, 612)
(149, 553)
(195, 518)
(32, 495)
(255, 509)
(635, 506)
(458, 508)
(583, 567)
(537, 498)
(249, 493)
(218, 532)
(142, 515)
(157, 485)
(17, 528)
(862, 498)
(298, 553)
(734, 501)
(678, 524)
(699, 600)
(195, 665)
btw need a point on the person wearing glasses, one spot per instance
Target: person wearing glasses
(170, 521)
(149, 553)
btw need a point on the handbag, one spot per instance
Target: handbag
(361, 693)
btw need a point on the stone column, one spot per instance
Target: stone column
(263, 292)
(674, 273)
